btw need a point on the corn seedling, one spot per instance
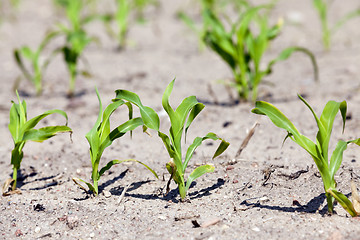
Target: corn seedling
(214, 6)
(100, 137)
(243, 49)
(35, 76)
(121, 17)
(76, 39)
(180, 120)
(319, 149)
(140, 6)
(322, 7)
(22, 130)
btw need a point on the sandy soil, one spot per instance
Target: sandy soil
(250, 197)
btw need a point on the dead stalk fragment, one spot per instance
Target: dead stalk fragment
(319, 149)
(22, 130)
(246, 140)
(100, 137)
(180, 120)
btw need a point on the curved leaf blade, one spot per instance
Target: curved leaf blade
(343, 201)
(114, 162)
(198, 172)
(149, 116)
(42, 134)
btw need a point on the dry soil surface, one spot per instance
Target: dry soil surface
(272, 191)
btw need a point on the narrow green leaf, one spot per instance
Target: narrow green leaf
(281, 121)
(198, 141)
(34, 121)
(286, 53)
(89, 185)
(149, 116)
(194, 112)
(198, 172)
(120, 131)
(44, 133)
(114, 162)
(336, 158)
(346, 18)
(343, 201)
(165, 101)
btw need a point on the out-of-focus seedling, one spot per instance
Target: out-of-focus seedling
(35, 76)
(122, 18)
(243, 49)
(322, 7)
(76, 38)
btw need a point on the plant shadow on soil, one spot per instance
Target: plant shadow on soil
(171, 196)
(311, 207)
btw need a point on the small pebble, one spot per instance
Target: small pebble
(92, 235)
(107, 194)
(256, 229)
(162, 217)
(37, 229)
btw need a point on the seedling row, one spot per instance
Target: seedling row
(239, 40)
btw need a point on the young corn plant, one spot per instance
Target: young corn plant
(100, 137)
(35, 76)
(180, 120)
(122, 18)
(76, 37)
(23, 130)
(319, 149)
(322, 6)
(243, 49)
(214, 6)
(140, 6)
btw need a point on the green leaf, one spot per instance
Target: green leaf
(346, 18)
(343, 201)
(27, 53)
(44, 133)
(149, 116)
(336, 158)
(327, 120)
(167, 143)
(34, 121)
(198, 141)
(114, 162)
(19, 62)
(89, 185)
(194, 112)
(281, 121)
(286, 53)
(92, 136)
(120, 131)
(165, 102)
(198, 172)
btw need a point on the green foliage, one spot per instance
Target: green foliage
(22, 130)
(322, 7)
(319, 149)
(76, 37)
(35, 76)
(100, 137)
(180, 120)
(214, 6)
(121, 17)
(243, 48)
